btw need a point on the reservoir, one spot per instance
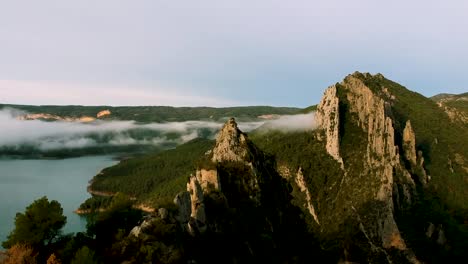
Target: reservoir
(66, 180)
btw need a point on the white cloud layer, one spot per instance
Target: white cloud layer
(71, 135)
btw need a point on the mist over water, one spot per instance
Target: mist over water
(47, 136)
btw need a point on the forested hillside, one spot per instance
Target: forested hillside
(153, 179)
(148, 114)
(382, 179)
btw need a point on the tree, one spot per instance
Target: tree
(20, 254)
(39, 225)
(84, 256)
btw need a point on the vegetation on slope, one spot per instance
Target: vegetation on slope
(442, 141)
(153, 178)
(302, 150)
(147, 114)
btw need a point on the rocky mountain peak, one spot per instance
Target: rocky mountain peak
(354, 113)
(231, 144)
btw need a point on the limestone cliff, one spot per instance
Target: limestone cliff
(359, 130)
(231, 144)
(409, 143)
(232, 147)
(237, 194)
(328, 119)
(358, 184)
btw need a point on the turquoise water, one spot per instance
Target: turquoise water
(23, 181)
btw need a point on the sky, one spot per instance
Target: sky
(224, 53)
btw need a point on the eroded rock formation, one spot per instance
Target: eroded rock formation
(231, 144)
(368, 182)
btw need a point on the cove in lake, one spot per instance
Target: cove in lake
(23, 181)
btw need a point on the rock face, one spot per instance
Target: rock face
(328, 119)
(416, 160)
(184, 204)
(197, 215)
(232, 147)
(300, 181)
(231, 144)
(103, 113)
(237, 194)
(409, 143)
(209, 180)
(353, 106)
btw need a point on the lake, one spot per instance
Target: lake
(23, 181)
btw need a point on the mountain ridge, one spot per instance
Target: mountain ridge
(383, 178)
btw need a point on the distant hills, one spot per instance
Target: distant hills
(91, 130)
(148, 114)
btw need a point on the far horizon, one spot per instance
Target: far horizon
(214, 103)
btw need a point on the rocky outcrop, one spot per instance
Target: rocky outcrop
(231, 144)
(209, 180)
(191, 208)
(50, 117)
(300, 181)
(352, 103)
(103, 113)
(328, 119)
(409, 143)
(184, 205)
(414, 157)
(197, 215)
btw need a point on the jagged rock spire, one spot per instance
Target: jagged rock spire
(231, 144)
(409, 141)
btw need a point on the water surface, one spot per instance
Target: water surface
(23, 181)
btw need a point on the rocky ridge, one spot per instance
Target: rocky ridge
(353, 105)
(373, 177)
(234, 185)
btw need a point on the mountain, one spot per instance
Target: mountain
(382, 179)
(450, 97)
(397, 183)
(455, 105)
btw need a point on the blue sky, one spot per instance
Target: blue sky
(223, 53)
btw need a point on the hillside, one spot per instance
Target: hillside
(385, 166)
(382, 179)
(403, 164)
(153, 179)
(455, 105)
(148, 114)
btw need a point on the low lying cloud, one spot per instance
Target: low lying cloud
(48, 136)
(292, 123)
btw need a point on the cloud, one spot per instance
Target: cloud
(291, 123)
(48, 136)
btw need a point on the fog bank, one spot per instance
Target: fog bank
(46, 136)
